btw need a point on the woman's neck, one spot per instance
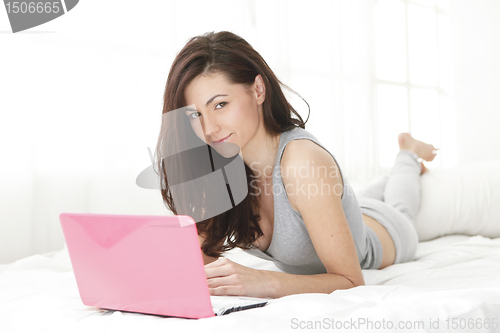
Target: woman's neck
(261, 154)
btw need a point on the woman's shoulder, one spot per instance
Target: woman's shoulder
(305, 162)
(301, 150)
(302, 146)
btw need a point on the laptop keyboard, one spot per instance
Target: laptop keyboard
(227, 304)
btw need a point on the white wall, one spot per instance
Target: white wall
(476, 45)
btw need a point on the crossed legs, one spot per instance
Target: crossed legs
(401, 189)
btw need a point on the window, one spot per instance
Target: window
(413, 77)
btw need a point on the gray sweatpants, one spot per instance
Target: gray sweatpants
(394, 201)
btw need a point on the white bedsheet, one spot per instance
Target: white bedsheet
(452, 277)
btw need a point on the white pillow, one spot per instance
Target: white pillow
(461, 200)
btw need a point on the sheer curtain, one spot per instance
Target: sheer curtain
(82, 98)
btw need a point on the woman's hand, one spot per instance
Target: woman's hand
(227, 278)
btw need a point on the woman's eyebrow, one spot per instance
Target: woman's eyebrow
(186, 109)
(211, 99)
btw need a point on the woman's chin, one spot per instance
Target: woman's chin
(227, 149)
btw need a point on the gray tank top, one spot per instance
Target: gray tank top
(291, 248)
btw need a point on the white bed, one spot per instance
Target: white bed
(452, 285)
(455, 276)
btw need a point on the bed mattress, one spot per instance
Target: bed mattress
(452, 285)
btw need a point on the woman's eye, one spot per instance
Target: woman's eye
(192, 114)
(220, 104)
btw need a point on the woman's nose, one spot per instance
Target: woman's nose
(210, 127)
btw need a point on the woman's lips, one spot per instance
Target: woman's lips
(217, 142)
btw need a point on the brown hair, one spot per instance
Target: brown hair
(229, 54)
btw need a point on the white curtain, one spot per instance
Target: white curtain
(81, 99)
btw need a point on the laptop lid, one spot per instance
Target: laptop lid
(138, 263)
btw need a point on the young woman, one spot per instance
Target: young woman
(301, 211)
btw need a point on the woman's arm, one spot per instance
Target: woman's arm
(317, 196)
(284, 284)
(318, 199)
(227, 278)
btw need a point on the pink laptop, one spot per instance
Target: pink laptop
(143, 263)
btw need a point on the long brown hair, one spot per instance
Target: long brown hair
(229, 54)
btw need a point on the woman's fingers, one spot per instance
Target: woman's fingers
(214, 272)
(219, 281)
(219, 268)
(219, 262)
(222, 282)
(225, 286)
(227, 278)
(227, 290)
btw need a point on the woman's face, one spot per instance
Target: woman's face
(223, 109)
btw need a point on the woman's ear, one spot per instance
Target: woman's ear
(259, 89)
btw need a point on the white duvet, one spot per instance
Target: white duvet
(453, 285)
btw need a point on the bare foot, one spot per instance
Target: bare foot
(424, 150)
